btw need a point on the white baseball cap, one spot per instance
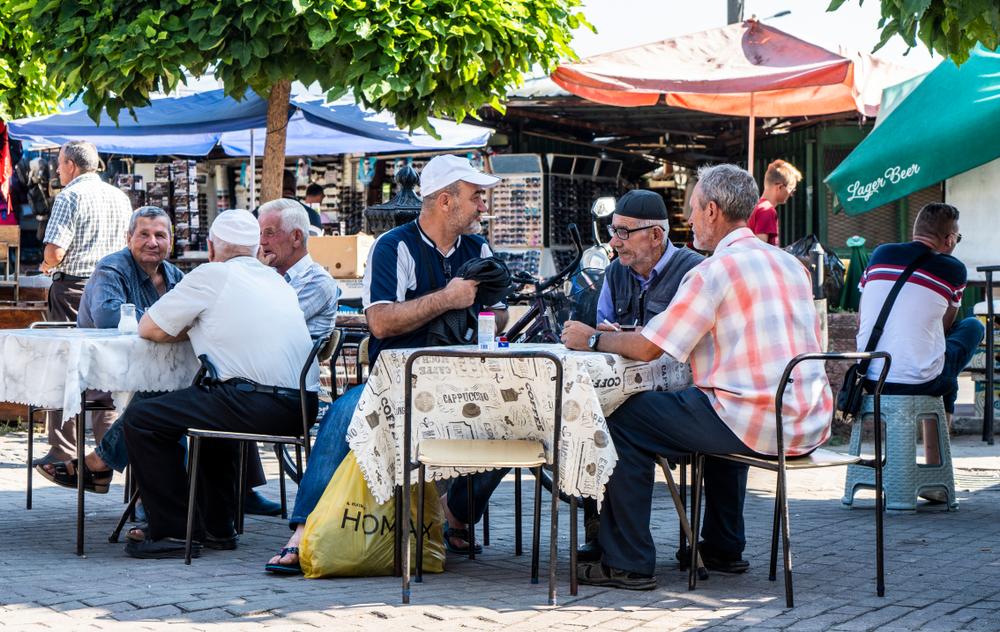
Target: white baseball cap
(444, 170)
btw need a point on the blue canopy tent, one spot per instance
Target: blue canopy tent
(192, 125)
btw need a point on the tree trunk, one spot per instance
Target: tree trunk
(274, 143)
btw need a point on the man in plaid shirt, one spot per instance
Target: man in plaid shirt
(89, 221)
(740, 316)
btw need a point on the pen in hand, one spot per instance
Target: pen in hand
(612, 325)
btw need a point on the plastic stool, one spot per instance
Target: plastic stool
(903, 478)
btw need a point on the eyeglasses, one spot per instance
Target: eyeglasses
(622, 233)
(959, 240)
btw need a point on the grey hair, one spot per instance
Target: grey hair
(430, 199)
(732, 189)
(294, 216)
(149, 212)
(227, 251)
(83, 154)
(662, 223)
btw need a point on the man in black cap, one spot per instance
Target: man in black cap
(638, 285)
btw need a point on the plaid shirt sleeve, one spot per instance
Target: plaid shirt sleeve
(62, 221)
(688, 318)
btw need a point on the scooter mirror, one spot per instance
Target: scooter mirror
(603, 207)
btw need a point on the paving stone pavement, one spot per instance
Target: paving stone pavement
(942, 570)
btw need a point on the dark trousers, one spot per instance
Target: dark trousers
(64, 300)
(668, 424)
(960, 343)
(153, 429)
(483, 485)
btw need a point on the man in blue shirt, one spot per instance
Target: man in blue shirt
(137, 274)
(409, 281)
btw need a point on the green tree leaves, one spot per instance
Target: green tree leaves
(25, 89)
(414, 59)
(947, 27)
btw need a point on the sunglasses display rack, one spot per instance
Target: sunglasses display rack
(517, 204)
(570, 199)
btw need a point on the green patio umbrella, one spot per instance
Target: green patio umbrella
(850, 299)
(938, 125)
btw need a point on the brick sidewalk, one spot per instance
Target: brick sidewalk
(942, 572)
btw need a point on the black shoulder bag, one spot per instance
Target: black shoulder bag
(849, 397)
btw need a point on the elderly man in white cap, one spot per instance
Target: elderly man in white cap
(409, 281)
(246, 320)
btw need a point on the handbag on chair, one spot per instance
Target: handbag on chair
(851, 391)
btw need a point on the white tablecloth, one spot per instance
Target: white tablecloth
(467, 398)
(51, 367)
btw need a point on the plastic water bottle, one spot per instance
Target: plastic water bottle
(487, 331)
(127, 324)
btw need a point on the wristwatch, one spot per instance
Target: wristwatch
(593, 341)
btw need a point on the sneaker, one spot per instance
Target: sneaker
(936, 497)
(600, 574)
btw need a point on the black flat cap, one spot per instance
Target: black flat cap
(641, 204)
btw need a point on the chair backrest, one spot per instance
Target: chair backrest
(10, 235)
(363, 352)
(52, 325)
(332, 346)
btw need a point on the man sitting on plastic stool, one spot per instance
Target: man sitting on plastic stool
(928, 348)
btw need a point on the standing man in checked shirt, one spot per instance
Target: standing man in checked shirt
(89, 221)
(740, 316)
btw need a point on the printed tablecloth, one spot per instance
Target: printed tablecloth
(473, 398)
(51, 367)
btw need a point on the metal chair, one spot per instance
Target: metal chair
(815, 459)
(88, 406)
(292, 467)
(479, 453)
(322, 350)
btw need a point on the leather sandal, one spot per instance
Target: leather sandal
(462, 534)
(96, 482)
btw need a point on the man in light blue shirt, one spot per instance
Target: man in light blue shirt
(284, 236)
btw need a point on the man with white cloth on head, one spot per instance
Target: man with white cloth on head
(247, 321)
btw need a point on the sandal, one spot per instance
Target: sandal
(138, 533)
(286, 569)
(462, 534)
(600, 574)
(97, 482)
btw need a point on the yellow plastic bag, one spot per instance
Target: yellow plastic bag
(348, 534)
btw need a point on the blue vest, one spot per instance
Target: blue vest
(633, 305)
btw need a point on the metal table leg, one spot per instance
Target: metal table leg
(81, 470)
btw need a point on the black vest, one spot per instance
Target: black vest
(634, 306)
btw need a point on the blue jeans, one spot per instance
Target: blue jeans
(960, 344)
(669, 424)
(329, 449)
(111, 449)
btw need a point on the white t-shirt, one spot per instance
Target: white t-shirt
(245, 318)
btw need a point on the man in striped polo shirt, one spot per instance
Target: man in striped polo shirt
(928, 348)
(740, 316)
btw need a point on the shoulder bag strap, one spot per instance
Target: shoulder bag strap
(427, 259)
(887, 306)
